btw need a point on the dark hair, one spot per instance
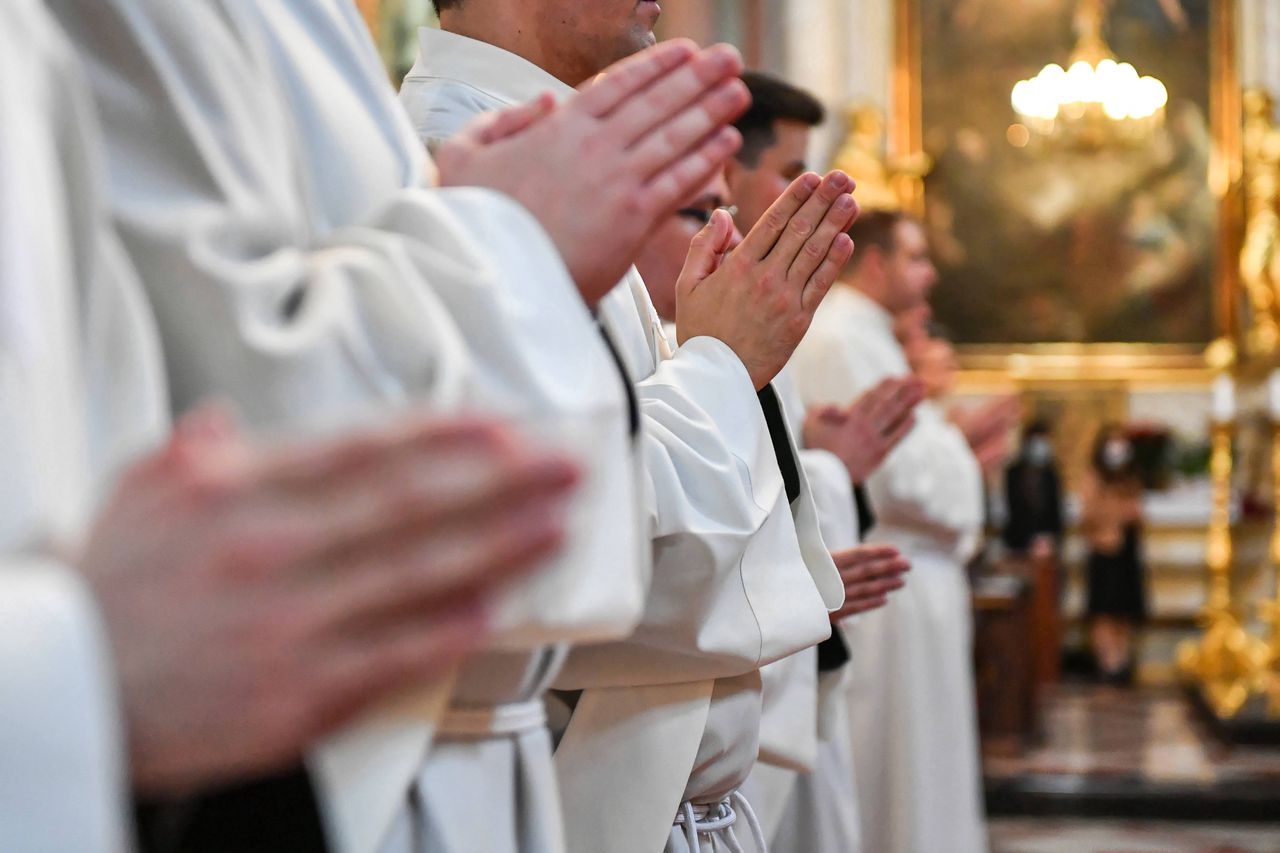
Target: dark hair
(1037, 427)
(772, 101)
(878, 228)
(441, 5)
(1129, 474)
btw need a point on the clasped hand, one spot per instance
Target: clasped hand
(759, 295)
(256, 599)
(600, 171)
(863, 434)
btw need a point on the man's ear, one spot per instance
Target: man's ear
(870, 263)
(870, 260)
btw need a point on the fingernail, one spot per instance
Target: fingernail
(687, 47)
(844, 204)
(727, 56)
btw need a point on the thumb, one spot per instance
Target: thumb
(823, 411)
(706, 250)
(211, 422)
(831, 413)
(208, 427)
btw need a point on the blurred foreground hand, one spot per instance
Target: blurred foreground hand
(257, 599)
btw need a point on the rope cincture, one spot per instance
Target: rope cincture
(699, 820)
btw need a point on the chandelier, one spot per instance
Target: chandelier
(1095, 101)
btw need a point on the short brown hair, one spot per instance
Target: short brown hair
(877, 228)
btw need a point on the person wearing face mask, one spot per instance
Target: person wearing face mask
(1033, 491)
(1112, 523)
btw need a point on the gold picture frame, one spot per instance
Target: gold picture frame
(1025, 365)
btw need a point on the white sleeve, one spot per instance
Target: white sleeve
(300, 321)
(63, 781)
(62, 776)
(442, 298)
(931, 482)
(834, 496)
(833, 492)
(741, 576)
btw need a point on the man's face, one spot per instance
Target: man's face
(598, 33)
(909, 269)
(934, 361)
(663, 255)
(755, 189)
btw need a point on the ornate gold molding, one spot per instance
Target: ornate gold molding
(1088, 364)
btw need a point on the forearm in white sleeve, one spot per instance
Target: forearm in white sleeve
(299, 323)
(64, 783)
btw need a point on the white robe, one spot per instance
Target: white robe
(278, 207)
(802, 785)
(740, 577)
(911, 691)
(80, 391)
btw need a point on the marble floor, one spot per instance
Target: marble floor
(1135, 753)
(1032, 835)
(1147, 732)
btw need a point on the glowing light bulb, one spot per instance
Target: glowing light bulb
(1079, 82)
(1115, 105)
(1082, 91)
(1156, 94)
(1022, 97)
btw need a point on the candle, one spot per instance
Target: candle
(1224, 400)
(1273, 394)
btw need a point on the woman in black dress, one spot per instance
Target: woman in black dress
(1112, 526)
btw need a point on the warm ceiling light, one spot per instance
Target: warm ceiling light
(1096, 100)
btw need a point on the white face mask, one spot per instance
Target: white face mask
(1039, 451)
(1116, 454)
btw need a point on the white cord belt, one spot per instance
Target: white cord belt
(707, 819)
(497, 721)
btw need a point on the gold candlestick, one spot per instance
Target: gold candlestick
(1225, 660)
(1269, 611)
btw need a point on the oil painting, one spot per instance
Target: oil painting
(1044, 237)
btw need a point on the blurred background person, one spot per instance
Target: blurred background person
(1033, 495)
(802, 786)
(933, 359)
(918, 782)
(1112, 523)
